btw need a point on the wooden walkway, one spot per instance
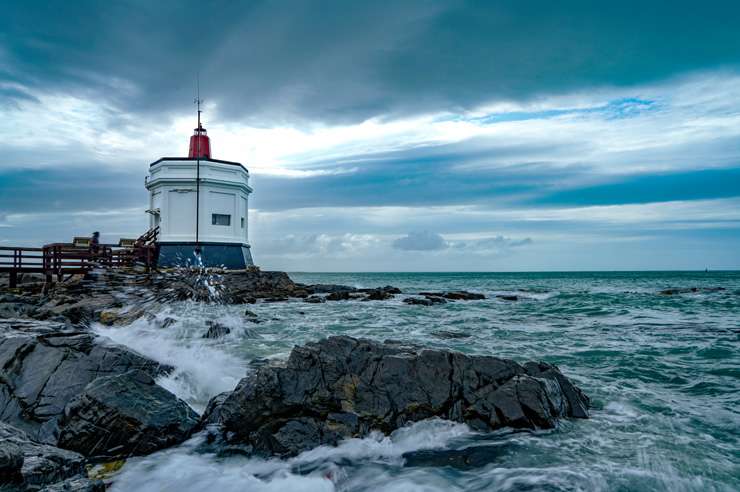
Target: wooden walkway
(56, 260)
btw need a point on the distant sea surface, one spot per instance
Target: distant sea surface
(663, 373)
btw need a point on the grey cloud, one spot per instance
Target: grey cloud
(307, 245)
(496, 244)
(88, 187)
(425, 175)
(267, 62)
(420, 241)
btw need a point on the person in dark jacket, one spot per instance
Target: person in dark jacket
(95, 243)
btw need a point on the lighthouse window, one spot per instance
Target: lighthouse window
(242, 222)
(221, 219)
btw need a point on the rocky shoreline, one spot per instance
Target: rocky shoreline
(70, 399)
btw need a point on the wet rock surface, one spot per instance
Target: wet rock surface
(260, 285)
(11, 460)
(344, 387)
(107, 295)
(45, 365)
(29, 465)
(123, 415)
(216, 330)
(425, 301)
(456, 295)
(434, 298)
(379, 295)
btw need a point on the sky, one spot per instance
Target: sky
(389, 136)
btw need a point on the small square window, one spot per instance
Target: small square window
(242, 222)
(221, 219)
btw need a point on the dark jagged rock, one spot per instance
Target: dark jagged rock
(216, 330)
(166, 322)
(123, 415)
(424, 301)
(456, 295)
(388, 289)
(11, 461)
(344, 295)
(214, 405)
(365, 295)
(243, 286)
(417, 301)
(314, 299)
(40, 464)
(13, 306)
(251, 317)
(81, 312)
(379, 295)
(342, 387)
(327, 288)
(507, 297)
(45, 365)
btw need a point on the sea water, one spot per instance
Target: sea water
(662, 371)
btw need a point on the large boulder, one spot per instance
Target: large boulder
(45, 365)
(29, 465)
(122, 415)
(345, 387)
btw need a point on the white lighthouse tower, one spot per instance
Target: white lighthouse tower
(200, 205)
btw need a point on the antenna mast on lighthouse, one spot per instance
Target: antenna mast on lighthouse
(197, 167)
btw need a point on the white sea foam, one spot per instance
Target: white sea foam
(183, 469)
(427, 434)
(202, 369)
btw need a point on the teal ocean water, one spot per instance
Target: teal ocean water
(663, 373)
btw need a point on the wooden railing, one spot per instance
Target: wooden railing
(18, 259)
(149, 237)
(60, 259)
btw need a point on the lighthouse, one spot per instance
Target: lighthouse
(200, 206)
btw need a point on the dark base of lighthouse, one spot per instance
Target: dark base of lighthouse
(231, 256)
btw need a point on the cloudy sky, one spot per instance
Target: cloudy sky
(445, 135)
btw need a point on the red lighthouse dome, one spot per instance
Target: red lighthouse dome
(200, 144)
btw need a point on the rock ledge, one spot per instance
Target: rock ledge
(344, 387)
